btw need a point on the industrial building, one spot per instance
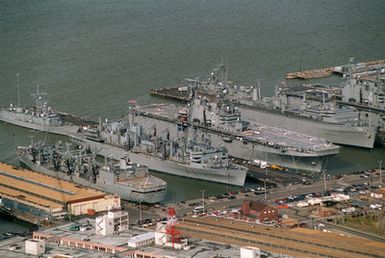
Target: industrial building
(261, 211)
(48, 197)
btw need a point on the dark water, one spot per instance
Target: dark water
(92, 56)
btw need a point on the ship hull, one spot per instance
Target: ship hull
(224, 176)
(121, 190)
(335, 133)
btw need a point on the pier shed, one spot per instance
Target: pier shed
(44, 196)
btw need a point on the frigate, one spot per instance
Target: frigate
(40, 117)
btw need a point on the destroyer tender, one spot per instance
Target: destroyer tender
(129, 180)
(323, 118)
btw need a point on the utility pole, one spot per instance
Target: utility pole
(265, 178)
(140, 214)
(203, 199)
(380, 162)
(324, 170)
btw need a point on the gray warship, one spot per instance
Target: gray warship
(365, 91)
(222, 124)
(325, 119)
(40, 117)
(286, 110)
(179, 156)
(131, 181)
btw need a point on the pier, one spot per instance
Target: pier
(311, 74)
(359, 68)
(172, 93)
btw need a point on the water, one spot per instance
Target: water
(91, 57)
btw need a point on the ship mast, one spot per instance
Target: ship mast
(18, 90)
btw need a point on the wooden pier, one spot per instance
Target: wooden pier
(328, 71)
(311, 74)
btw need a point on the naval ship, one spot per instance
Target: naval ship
(283, 110)
(222, 123)
(40, 117)
(324, 119)
(159, 152)
(131, 181)
(365, 91)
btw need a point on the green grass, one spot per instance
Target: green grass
(369, 223)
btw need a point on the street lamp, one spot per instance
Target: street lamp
(203, 199)
(380, 161)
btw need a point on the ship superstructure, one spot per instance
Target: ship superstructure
(130, 181)
(366, 93)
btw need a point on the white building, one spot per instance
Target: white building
(141, 240)
(34, 247)
(114, 221)
(250, 252)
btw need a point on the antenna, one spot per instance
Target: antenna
(18, 90)
(31, 137)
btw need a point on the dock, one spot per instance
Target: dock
(174, 93)
(311, 74)
(358, 68)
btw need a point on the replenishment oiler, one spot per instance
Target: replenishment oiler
(131, 181)
(192, 158)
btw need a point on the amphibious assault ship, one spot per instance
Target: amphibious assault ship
(131, 181)
(222, 124)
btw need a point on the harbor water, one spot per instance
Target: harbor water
(92, 57)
